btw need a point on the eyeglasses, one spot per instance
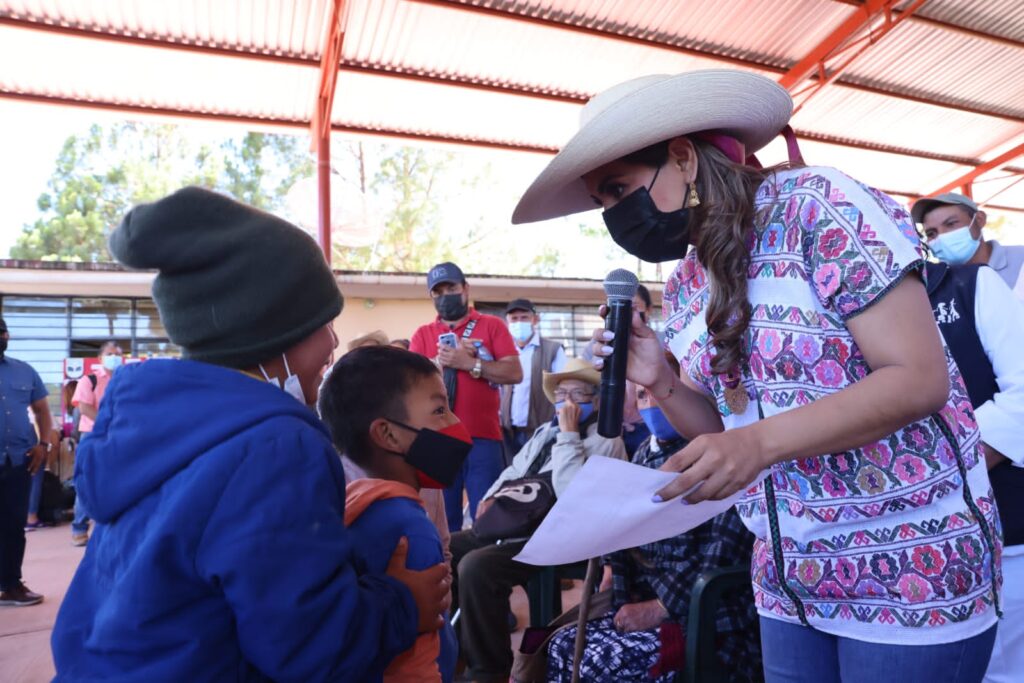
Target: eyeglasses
(576, 395)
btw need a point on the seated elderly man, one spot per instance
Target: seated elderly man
(641, 640)
(485, 572)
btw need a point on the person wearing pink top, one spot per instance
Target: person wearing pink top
(87, 399)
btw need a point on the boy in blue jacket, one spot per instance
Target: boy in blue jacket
(387, 410)
(220, 552)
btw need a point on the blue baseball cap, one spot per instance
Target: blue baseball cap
(445, 272)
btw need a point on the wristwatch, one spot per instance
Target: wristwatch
(477, 370)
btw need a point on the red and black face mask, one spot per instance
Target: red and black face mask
(437, 455)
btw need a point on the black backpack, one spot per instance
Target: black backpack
(54, 499)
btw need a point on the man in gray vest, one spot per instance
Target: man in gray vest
(524, 407)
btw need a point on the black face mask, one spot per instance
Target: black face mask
(438, 456)
(451, 306)
(645, 231)
(3, 346)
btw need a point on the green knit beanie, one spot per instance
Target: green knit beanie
(236, 286)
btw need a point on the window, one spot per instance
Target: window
(47, 330)
(101, 319)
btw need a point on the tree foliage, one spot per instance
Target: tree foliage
(99, 175)
(430, 204)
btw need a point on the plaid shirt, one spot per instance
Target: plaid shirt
(668, 569)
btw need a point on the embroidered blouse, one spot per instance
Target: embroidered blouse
(897, 541)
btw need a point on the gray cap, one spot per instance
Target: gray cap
(923, 206)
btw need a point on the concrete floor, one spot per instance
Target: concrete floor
(50, 562)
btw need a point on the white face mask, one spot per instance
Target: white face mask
(292, 385)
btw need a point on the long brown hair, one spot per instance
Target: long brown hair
(723, 221)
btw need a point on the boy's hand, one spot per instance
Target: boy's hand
(429, 587)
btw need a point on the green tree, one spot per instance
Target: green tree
(260, 168)
(101, 174)
(408, 180)
(83, 201)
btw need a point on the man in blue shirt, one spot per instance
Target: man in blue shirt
(21, 455)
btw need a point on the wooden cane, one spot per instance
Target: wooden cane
(593, 566)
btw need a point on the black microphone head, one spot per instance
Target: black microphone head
(620, 284)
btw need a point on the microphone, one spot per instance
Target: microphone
(619, 286)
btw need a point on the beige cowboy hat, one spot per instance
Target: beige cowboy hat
(638, 113)
(575, 368)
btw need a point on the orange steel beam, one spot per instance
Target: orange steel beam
(457, 5)
(391, 133)
(954, 28)
(981, 169)
(320, 126)
(861, 17)
(410, 74)
(838, 43)
(828, 75)
(439, 137)
(302, 124)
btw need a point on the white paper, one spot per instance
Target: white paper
(608, 507)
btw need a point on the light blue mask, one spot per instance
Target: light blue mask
(586, 410)
(956, 247)
(522, 331)
(658, 424)
(112, 363)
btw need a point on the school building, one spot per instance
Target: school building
(58, 310)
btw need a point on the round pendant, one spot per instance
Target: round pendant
(736, 398)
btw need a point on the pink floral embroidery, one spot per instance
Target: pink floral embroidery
(833, 243)
(910, 468)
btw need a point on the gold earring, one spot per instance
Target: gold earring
(693, 200)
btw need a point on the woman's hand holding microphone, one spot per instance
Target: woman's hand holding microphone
(722, 463)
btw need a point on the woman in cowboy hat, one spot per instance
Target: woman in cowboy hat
(804, 333)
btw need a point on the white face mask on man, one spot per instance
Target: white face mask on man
(292, 384)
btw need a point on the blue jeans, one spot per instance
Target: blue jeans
(80, 524)
(798, 654)
(479, 471)
(35, 493)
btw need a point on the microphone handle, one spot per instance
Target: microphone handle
(613, 375)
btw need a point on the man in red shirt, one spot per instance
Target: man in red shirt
(476, 354)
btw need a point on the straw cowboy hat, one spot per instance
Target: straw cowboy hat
(575, 368)
(641, 112)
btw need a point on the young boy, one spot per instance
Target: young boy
(387, 410)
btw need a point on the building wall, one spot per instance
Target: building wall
(398, 318)
(56, 311)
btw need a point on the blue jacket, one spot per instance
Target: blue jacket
(377, 521)
(220, 551)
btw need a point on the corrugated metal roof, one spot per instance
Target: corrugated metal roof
(997, 17)
(283, 27)
(773, 33)
(513, 72)
(103, 71)
(959, 69)
(843, 112)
